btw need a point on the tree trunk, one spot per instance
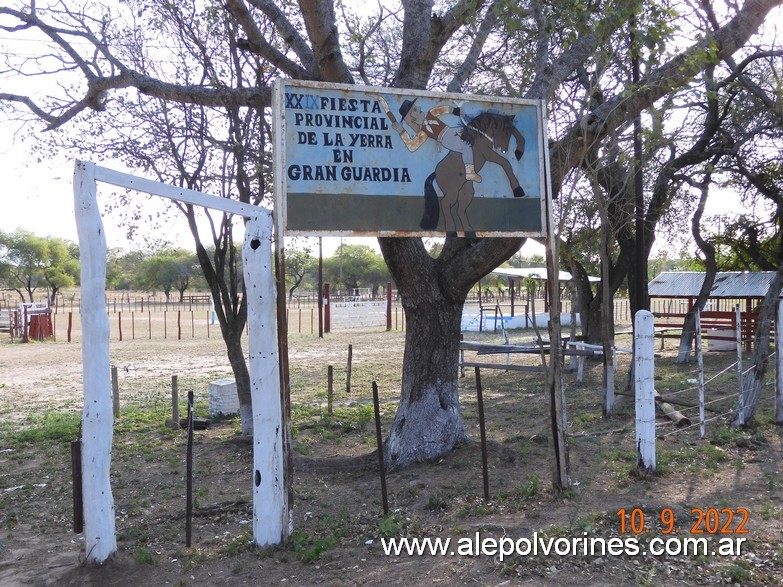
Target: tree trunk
(754, 381)
(428, 422)
(711, 266)
(236, 358)
(230, 309)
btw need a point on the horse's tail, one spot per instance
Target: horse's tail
(429, 221)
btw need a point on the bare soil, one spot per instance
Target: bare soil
(339, 521)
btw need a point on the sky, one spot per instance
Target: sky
(38, 196)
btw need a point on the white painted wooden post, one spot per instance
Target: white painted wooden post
(644, 370)
(779, 370)
(700, 365)
(271, 524)
(97, 416)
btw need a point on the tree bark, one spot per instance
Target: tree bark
(428, 422)
(711, 270)
(752, 384)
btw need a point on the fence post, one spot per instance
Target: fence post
(175, 402)
(327, 310)
(738, 338)
(779, 370)
(388, 305)
(329, 389)
(115, 391)
(348, 370)
(644, 370)
(700, 364)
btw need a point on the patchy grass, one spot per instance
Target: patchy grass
(337, 502)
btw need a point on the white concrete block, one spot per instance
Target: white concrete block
(223, 397)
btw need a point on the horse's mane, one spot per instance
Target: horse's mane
(486, 123)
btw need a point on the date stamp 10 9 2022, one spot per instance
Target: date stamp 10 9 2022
(715, 521)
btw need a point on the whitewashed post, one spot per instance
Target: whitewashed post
(271, 523)
(97, 416)
(779, 370)
(644, 370)
(700, 365)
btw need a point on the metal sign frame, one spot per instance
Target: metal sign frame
(363, 161)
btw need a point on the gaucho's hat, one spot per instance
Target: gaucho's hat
(406, 106)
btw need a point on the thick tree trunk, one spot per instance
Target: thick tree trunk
(428, 421)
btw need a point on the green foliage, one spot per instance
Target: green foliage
(28, 262)
(298, 264)
(356, 266)
(168, 269)
(144, 556)
(391, 526)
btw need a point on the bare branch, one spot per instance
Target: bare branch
(289, 34)
(257, 44)
(471, 59)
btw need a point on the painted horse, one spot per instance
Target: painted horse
(489, 134)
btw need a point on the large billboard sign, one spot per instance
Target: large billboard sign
(358, 161)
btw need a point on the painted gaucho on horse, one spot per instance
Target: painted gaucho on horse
(471, 144)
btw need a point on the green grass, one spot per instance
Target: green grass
(52, 427)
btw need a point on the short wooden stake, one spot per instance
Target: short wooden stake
(174, 422)
(76, 476)
(379, 441)
(189, 473)
(329, 389)
(115, 391)
(348, 370)
(119, 324)
(70, 325)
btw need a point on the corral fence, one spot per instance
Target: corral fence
(360, 309)
(712, 401)
(708, 393)
(133, 317)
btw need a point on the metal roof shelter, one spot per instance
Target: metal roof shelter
(538, 273)
(728, 284)
(730, 287)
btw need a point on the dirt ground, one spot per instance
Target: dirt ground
(722, 485)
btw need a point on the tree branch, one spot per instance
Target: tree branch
(257, 44)
(322, 29)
